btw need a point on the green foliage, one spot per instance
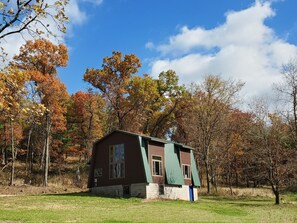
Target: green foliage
(83, 207)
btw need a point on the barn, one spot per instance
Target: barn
(128, 164)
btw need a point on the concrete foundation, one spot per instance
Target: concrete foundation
(148, 191)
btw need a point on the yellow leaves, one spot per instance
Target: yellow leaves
(24, 110)
(10, 11)
(13, 102)
(2, 5)
(30, 12)
(38, 10)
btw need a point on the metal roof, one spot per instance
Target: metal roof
(146, 137)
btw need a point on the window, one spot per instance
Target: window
(161, 189)
(157, 165)
(186, 171)
(98, 172)
(126, 190)
(116, 161)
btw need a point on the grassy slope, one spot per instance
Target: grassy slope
(81, 207)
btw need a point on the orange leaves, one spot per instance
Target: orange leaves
(115, 74)
(40, 59)
(42, 56)
(113, 80)
(85, 118)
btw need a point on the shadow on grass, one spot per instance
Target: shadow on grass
(87, 194)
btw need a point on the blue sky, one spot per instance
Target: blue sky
(245, 40)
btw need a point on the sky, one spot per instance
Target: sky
(244, 40)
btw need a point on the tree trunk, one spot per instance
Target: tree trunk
(12, 154)
(229, 179)
(208, 178)
(43, 155)
(29, 154)
(275, 190)
(4, 150)
(47, 142)
(276, 198)
(294, 93)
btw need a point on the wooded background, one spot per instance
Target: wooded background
(41, 125)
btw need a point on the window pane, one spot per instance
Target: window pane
(117, 161)
(186, 171)
(122, 170)
(157, 158)
(117, 153)
(157, 168)
(122, 153)
(160, 168)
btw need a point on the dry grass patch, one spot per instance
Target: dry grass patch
(241, 192)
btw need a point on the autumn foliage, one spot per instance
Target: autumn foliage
(42, 125)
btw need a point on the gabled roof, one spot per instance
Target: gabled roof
(145, 137)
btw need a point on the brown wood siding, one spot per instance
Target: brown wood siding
(156, 149)
(185, 158)
(134, 169)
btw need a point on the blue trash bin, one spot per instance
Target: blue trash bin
(191, 193)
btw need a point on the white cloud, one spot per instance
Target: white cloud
(75, 14)
(149, 45)
(242, 48)
(95, 2)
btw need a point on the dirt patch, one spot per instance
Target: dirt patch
(31, 190)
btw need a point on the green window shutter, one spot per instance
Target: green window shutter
(173, 169)
(195, 175)
(146, 165)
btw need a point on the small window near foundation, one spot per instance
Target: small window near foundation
(161, 189)
(126, 191)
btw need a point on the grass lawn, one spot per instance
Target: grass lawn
(82, 207)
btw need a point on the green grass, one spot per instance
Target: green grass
(82, 207)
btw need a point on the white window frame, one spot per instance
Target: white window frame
(157, 160)
(116, 161)
(186, 175)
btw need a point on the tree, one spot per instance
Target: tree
(212, 102)
(287, 90)
(154, 103)
(40, 60)
(113, 81)
(85, 120)
(41, 57)
(14, 106)
(274, 158)
(32, 16)
(142, 96)
(232, 145)
(10, 106)
(54, 97)
(170, 96)
(148, 103)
